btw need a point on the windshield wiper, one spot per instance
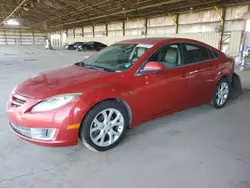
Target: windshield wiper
(82, 64)
(107, 69)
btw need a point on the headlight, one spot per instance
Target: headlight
(54, 102)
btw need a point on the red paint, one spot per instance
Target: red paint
(154, 66)
(147, 95)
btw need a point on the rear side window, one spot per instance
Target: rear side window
(196, 53)
(215, 54)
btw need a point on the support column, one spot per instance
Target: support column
(222, 22)
(74, 33)
(82, 31)
(5, 40)
(20, 36)
(175, 20)
(146, 27)
(93, 29)
(177, 24)
(33, 38)
(123, 28)
(61, 42)
(107, 31)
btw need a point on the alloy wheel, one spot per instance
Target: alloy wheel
(222, 93)
(107, 127)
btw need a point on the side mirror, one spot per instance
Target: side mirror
(153, 66)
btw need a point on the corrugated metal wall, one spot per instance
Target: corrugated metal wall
(195, 25)
(161, 26)
(235, 41)
(12, 36)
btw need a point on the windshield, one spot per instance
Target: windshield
(118, 57)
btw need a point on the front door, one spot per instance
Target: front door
(160, 92)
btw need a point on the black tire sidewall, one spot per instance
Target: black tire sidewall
(87, 121)
(214, 102)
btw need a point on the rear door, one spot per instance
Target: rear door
(201, 64)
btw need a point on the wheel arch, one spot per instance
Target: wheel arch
(222, 74)
(118, 100)
(225, 77)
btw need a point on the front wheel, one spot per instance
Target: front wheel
(221, 93)
(104, 126)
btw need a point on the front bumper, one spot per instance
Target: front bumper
(54, 142)
(65, 120)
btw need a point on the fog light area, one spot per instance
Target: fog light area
(36, 133)
(42, 134)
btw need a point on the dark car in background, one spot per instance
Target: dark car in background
(91, 46)
(73, 46)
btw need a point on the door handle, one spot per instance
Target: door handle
(184, 74)
(193, 72)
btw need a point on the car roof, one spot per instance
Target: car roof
(146, 40)
(156, 40)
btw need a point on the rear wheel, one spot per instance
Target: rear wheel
(221, 93)
(104, 126)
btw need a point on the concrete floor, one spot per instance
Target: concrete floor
(201, 147)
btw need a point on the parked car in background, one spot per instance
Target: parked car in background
(123, 85)
(73, 46)
(96, 46)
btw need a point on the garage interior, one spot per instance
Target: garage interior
(199, 147)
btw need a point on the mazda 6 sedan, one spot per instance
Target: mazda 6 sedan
(121, 86)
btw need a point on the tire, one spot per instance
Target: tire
(221, 93)
(100, 134)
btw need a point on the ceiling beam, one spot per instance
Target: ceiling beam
(81, 8)
(121, 12)
(8, 5)
(13, 12)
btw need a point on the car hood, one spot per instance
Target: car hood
(59, 81)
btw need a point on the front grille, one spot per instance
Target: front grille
(24, 131)
(17, 100)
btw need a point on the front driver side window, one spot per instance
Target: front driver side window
(169, 56)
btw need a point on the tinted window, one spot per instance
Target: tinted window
(215, 54)
(195, 53)
(169, 55)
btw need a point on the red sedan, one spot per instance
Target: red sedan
(123, 85)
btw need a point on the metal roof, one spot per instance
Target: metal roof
(58, 14)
